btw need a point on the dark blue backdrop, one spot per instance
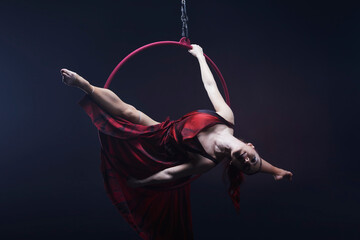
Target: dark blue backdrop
(292, 72)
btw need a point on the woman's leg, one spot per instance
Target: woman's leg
(107, 99)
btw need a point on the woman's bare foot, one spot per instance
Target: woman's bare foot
(75, 80)
(283, 174)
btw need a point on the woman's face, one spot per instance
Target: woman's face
(246, 159)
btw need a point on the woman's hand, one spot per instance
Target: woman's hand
(196, 51)
(283, 174)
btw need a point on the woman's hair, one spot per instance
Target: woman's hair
(235, 178)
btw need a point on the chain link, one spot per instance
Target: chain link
(184, 20)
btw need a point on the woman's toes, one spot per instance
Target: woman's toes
(68, 78)
(63, 70)
(71, 78)
(66, 71)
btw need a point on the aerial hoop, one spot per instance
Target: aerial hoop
(185, 43)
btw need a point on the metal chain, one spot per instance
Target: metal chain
(184, 20)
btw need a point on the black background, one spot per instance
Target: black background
(292, 72)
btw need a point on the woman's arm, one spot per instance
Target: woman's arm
(197, 165)
(210, 85)
(264, 167)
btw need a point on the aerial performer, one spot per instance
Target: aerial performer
(148, 166)
(145, 163)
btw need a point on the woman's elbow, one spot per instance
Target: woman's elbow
(167, 175)
(176, 174)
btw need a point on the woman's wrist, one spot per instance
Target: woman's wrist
(201, 59)
(277, 171)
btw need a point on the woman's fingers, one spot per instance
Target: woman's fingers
(196, 50)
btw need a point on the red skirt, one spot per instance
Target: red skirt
(161, 211)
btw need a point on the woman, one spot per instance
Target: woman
(147, 165)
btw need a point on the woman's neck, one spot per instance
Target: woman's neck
(225, 143)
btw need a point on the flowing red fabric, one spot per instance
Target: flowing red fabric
(161, 211)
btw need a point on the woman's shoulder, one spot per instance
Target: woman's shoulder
(219, 115)
(199, 120)
(226, 115)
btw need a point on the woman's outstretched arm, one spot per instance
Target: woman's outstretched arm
(210, 85)
(197, 165)
(264, 167)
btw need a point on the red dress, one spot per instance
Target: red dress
(161, 211)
